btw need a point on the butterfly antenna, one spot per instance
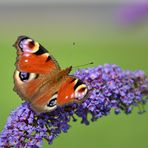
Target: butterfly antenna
(76, 67)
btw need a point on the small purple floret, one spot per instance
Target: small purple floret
(109, 88)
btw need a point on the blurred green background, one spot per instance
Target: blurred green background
(99, 36)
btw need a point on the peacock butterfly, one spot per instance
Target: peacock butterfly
(39, 79)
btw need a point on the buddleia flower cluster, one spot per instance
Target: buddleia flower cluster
(109, 86)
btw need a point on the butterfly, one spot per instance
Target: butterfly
(39, 80)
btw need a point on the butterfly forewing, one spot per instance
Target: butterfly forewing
(33, 57)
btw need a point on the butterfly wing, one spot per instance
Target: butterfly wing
(32, 57)
(69, 89)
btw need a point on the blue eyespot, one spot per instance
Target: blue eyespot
(24, 76)
(52, 103)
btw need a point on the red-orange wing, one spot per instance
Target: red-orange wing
(71, 90)
(33, 57)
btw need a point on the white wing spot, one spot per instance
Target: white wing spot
(26, 54)
(26, 61)
(72, 95)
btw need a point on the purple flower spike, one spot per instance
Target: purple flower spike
(109, 87)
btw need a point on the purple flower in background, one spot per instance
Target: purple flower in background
(109, 87)
(134, 12)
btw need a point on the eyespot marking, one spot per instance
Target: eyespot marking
(77, 83)
(28, 45)
(41, 50)
(81, 91)
(23, 77)
(31, 44)
(52, 104)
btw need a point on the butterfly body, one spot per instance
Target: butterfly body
(39, 79)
